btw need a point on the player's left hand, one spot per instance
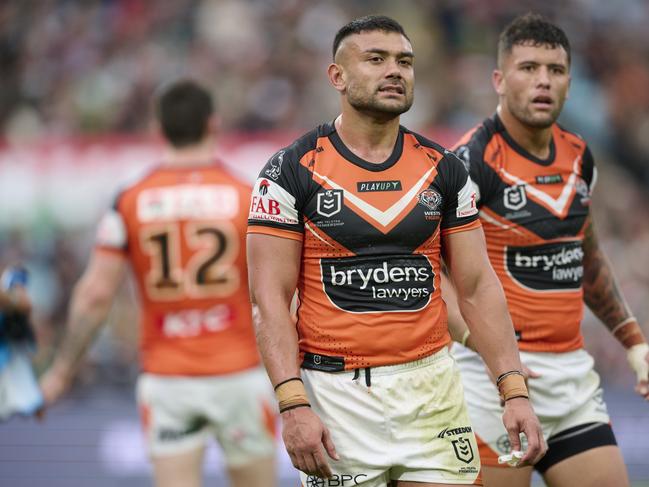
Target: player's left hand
(638, 357)
(519, 418)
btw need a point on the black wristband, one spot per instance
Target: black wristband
(295, 406)
(506, 374)
(285, 381)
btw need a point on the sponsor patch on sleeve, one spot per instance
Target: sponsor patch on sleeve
(272, 203)
(466, 200)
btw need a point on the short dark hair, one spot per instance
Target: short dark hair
(368, 23)
(531, 29)
(183, 109)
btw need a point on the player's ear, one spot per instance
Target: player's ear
(498, 81)
(336, 76)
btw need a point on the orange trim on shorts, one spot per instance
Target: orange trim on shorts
(145, 417)
(270, 418)
(488, 457)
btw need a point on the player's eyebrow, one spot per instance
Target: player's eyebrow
(383, 52)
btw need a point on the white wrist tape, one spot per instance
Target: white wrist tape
(636, 355)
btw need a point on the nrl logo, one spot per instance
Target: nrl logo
(329, 203)
(515, 197)
(463, 449)
(430, 198)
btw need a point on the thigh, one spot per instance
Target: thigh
(261, 473)
(172, 425)
(179, 470)
(241, 408)
(597, 467)
(506, 476)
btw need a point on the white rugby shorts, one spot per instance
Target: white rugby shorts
(182, 413)
(567, 394)
(409, 424)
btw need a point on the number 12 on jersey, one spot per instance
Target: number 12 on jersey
(191, 260)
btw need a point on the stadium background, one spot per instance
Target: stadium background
(76, 78)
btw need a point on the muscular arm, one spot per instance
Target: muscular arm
(273, 269)
(481, 300)
(601, 291)
(457, 327)
(91, 301)
(603, 296)
(482, 304)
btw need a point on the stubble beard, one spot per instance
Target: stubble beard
(526, 117)
(371, 104)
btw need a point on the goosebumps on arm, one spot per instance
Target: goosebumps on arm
(602, 293)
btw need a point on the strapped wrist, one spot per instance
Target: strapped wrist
(512, 385)
(291, 394)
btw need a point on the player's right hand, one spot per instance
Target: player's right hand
(304, 436)
(519, 418)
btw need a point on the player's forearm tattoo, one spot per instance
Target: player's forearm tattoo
(601, 291)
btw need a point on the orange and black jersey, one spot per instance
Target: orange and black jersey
(183, 230)
(369, 280)
(533, 212)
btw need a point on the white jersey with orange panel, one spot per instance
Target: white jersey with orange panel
(369, 280)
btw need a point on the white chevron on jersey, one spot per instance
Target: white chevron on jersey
(559, 205)
(383, 217)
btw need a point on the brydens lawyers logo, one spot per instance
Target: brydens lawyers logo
(330, 202)
(263, 187)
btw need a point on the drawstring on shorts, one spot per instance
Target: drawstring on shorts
(368, 377)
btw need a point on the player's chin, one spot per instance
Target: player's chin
(394, 105)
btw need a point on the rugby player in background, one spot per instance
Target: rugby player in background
(182, 228)
(534, 181)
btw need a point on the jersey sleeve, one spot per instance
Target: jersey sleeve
(484, 178)
(589, 170)
(459, 211)
(111, 232)
(277, 198)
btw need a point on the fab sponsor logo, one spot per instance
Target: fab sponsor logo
(271, 202)
(378, 284)
(550, 267)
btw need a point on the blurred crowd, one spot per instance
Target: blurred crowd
(72, 68)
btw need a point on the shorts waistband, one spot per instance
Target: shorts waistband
(334, 365)
(415, 364)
